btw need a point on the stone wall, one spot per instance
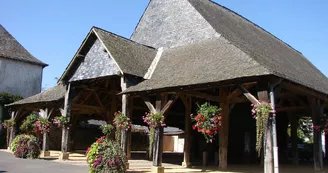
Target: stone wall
(20, 78)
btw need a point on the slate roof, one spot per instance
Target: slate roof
(10, 48)
(205, 62)
(243, 49)
(132, 58)
(53, 94)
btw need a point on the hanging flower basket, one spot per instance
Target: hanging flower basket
(322, 125)
(61, 121)
(121, 121)
(207, 121)
(261, 114)
(42, 125)
(8, 123)
(154, 120)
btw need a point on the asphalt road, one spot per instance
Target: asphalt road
(10, 164)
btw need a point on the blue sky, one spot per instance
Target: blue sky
(53, 30)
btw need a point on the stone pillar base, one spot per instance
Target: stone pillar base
(9, 149)
(186, 164)
(45, 153)
(63, 156)
(157, 169)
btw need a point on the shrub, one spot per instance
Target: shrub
(26, 146)
(28, 125)
(14, 143)
(106, 156)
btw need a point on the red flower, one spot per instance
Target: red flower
(208, 132)
(193, 127)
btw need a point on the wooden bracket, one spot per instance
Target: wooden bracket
(249, 96)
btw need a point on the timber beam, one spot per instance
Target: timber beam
(303, 90)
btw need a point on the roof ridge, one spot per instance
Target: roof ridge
(259, 27)
(124, 38)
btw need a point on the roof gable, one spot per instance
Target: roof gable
(12, 49)
(132, 58)
(171, 23)
(266, 49)
(128, 56)
(96, 63)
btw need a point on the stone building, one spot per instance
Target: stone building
(20, 72)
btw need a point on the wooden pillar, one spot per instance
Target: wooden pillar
(64, 155)
(187, 144)
(11, 131)
(126, 110)
(224, 130)
(158, 139)
(317, 111)
(45, 143)
(267, 138)
(294, 138)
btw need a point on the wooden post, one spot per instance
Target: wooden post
(158, 138)
(12, 131)
(293, 132)
(45, 147)
(224, 130)
(158, 141)
(267, 138)
(64, 155)
(317, 111)
(187, 144)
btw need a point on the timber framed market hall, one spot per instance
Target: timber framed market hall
(194, 51)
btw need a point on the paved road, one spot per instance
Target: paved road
(10, 164)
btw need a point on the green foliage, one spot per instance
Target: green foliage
(26, 146)
(61, 121)
(304, 130)
(8, 123)
(154, 120)
(121, 121)
(14, 143)
(261, 113)
(43, 125)
(28, 125)
(107, 129)
(208, 110)
(7, 98)
(106, 155)
(208, 120)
